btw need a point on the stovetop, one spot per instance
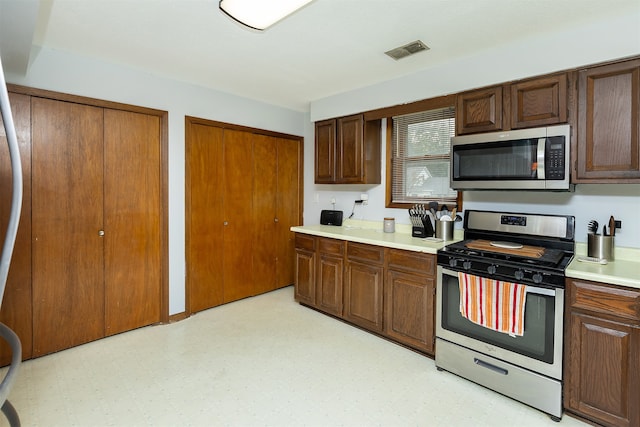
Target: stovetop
(530, 249)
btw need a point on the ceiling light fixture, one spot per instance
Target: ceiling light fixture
(260, 14)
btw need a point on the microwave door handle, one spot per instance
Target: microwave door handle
(541, 151)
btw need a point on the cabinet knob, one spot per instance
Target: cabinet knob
(225, 223)
(101, 233)
(276, 220)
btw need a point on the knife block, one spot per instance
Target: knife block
(425, 231)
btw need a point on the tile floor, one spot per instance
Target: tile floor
(262, 361)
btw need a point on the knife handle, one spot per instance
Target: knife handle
(612, 226)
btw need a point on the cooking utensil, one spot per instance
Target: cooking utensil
(593, 226)
(604, 230)
(612, 225)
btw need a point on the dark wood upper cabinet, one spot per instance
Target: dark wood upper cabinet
(479, 111)
(348, 151)
(539, 102)
(608, 141)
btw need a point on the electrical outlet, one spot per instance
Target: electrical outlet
(365, 198)
(333, 200)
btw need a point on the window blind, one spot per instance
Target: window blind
(420, 156)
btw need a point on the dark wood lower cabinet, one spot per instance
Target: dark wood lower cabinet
(329, 276)
(410, 299)
(602, 361)
(390, 292)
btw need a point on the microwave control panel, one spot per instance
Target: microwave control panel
(554, 153)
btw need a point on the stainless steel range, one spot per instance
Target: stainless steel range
(507, 249)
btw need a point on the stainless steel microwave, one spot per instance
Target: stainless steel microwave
(526, 159)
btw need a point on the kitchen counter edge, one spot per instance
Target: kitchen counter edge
(623, 271)
(377, 237)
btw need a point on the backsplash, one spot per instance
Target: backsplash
(589, 201)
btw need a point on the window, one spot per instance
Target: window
(419, 167)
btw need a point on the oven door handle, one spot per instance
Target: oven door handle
(530, 289)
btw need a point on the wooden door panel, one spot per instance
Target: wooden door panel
(67, 214)
(238, 201)
(349, 149)
(363, 297)
(132, 240)
(288, 207)
(325, 151)
(265, 190)
(410, 309)
(205, 282)
(16, 303)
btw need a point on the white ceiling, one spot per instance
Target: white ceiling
(328, 47)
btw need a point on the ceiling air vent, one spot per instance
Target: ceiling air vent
(407, 49)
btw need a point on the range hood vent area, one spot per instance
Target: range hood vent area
(407, 50)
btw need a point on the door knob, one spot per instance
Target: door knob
(100, 232)
(275, 220)
(225, 223)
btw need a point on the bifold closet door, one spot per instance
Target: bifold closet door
(205, 220)
(238, 240)
(288, 205)
(16, 304)
(67, 219)
(265, 216)
(132, 220)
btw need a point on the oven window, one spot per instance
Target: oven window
(539, 315)
(515, 160)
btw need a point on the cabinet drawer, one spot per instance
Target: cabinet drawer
(414, 261)
(304, 241)
(616, 301)
(331, 246)
(370, 253)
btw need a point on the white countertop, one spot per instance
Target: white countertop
(371, 233)
(623, 271)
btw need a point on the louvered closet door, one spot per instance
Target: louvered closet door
(16, 304)
(67, 209)
(132, 207)
(205, 216)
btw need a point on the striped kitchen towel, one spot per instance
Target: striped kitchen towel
(493, 304)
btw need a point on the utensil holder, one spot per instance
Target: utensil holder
(444, 230)
(599, 246)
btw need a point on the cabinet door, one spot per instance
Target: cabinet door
(67, 215)
(329, 284)
(349, 149)
(410, 309)
(204, 225)
(603, 370)
(305, 288)
(288, 212)
(539, 102)
(305, 265)
(132, 204)
(325, 151)
(363, 298)
(237, 245)
(16, 303)
(479, 111)
(608, 142)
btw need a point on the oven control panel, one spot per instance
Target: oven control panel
(513, 220)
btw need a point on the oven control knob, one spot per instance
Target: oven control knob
(519, 275)
(491, 269)
(466, 265)
(453, 262)
(537, 278)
